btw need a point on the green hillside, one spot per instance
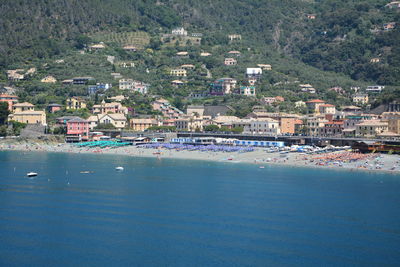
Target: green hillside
(325, 43)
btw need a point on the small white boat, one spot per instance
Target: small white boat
(119, 168)
(31, 174)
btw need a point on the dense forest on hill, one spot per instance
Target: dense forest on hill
(342, 38)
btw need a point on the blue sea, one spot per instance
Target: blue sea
(192, 213)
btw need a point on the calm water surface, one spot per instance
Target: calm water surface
(192, 213)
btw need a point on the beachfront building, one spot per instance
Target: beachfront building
(140, 125)
(313, 123)
(25, 106)
(29, 117)
(371, 128)
(290, 125)
(93, 122)
(113, 107)
(118, 120)
(189, 123)
(265, 126)
(75, 103)
(393, 119)
(78, 127)
(11, 100)
(331, 129)
(223, 86)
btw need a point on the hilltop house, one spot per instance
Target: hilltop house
(265, 66)
(75, 103)
(234, 53)
(375, 88)
(234, 37)
(129, 48)
(15, 75)
(307, 88)
(394, 5)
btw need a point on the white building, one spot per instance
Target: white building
(375, 88)
(266, 126)
(132, 85)
(254, 72)
(179, 31)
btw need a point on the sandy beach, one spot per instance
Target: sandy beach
(333, 160)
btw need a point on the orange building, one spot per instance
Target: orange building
(290, 125)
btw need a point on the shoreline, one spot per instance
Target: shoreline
(380, 163)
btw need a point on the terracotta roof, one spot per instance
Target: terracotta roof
(327, 105)
(316, 101)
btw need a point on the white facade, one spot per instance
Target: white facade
(253, 72)
(132, 85)
(179, 31)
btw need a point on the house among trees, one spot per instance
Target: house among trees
(177, 83)
(75, 103)
(52, 108)
(254, 73)
(247, 90)
(375, 60)
(223, 86)
(265, 66)
(205, 54)
(182, 54)
(118, 120)
(389, 26)
(93, 89)
(49, 79)
(132, 85)
(375, 88)
(188, 66)
(394, 5)
(234, 53)
(10, 99)
(311, 16)
(97, 47)
(15, 75)
(230, 62)
(234, 37)
(180, 31)
(178, 72)
(129, 48)
(307, 88)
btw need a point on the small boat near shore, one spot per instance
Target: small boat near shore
(31, 174)
(119, 168)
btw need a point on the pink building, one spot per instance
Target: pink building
(51, 108)
(10, 99)
(78, 127)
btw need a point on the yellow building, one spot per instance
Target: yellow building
(29, 117)
(140, 125)
(48, 79)
(178, 72)
(361, 99)
(75, 103)
(371, 128)
(393, 119)
(25, 106)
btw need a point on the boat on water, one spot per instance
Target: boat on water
(119, 168)
(85, 172)
(31, 174)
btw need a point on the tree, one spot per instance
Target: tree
(4, 112)
(105, 126)
(211, 128)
